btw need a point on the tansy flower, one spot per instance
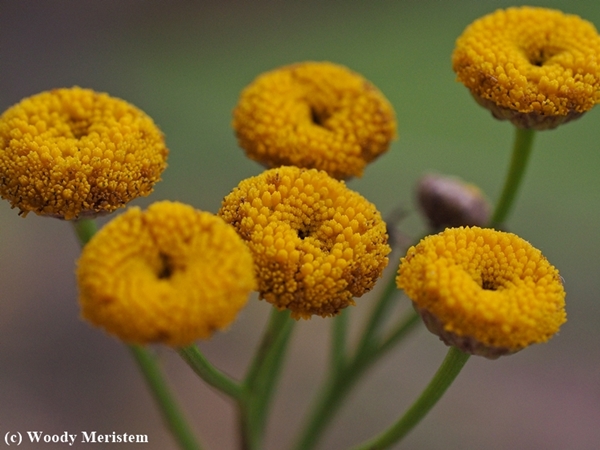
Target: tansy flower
(74, 152)
(316, 244)
(486, 292)
(536, 67)
(314, 115)
(450, 202)
(170, 274)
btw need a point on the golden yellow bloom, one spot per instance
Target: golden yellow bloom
(316, 244)
(314, 115)
(487, 292)
(74, 152)
(536, 67)
(170, 274)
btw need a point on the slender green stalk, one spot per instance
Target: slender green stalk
(279, 321)
(166, 402)
(261, 380)
(338, 341)
(339, 383)
(169, 409)
(408, 322)
(328, 403)
(448, 371)
(379, 314)
(209, 373)
(85, 229)
(522, 146)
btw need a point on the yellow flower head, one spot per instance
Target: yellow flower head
(74, 152)
(316, 244)
(314, 115)
(170, 274)
(536, 67)
(487, 292)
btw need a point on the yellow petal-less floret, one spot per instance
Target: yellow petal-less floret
(536, 67)
(488, 292)
(70, 153)
(316, 244)
(170, 274)
(314, 115)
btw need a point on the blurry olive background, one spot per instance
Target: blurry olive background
(185, 63)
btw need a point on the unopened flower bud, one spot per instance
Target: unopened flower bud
(450, 202)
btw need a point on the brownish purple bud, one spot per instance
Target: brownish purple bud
(450, 202)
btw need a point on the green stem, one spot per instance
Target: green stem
(209, 373)
(448, 371)
(261, 379)
(339, 383)
(522, 146)
(411, 320)
(338, 341)
(85, 230)
(329, 400)
(166, 402)
(378, 315)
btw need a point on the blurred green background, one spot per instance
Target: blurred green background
(185, 63)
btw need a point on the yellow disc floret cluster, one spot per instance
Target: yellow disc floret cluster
(74, 152)
(170, 274)
(316, 244)
(314, 115)
(534, 66)
(485, 291)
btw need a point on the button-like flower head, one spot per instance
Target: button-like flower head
(170, 274)
(536, 67)
(69, 153)
(314, 115)
(486, 292)
(316, 244)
